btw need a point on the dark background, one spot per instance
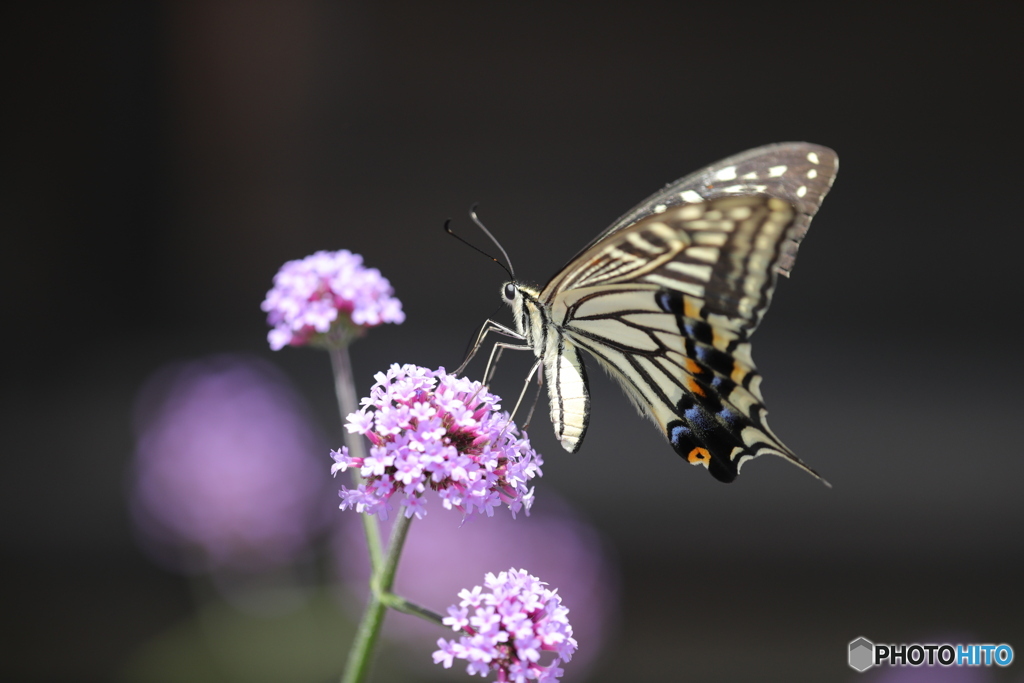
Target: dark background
(161, 161)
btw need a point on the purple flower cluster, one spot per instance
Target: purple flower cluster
(429, 430)
(224, 475)
(510, 626)
(309, 294)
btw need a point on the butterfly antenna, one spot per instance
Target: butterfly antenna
(472, 214)
(448, 229)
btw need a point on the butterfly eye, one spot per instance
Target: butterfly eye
(509, 292)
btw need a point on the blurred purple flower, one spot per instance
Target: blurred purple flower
(225, 473)
(441, 556)
(508, 626)
(309, 294)
(429, 430)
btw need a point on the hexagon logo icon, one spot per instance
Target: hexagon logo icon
(862, 654)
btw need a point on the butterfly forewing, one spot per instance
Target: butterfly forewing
(800, 173)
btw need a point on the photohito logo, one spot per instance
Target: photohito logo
(863, 654)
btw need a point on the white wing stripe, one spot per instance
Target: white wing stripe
(708, 254)
(662, 322)
(614, 332)
(691, 288)
(602, 302)
(714, 239)
(698, 272)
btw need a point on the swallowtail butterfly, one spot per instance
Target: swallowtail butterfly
(667, 298)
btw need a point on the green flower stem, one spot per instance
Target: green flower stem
(400, 604)
(345, 389)
(361, 655)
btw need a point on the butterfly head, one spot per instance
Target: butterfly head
(523, 300)
(512, 295)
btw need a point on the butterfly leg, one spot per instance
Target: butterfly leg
(534, 370)
(536, 399)
(496, 351)
(492, 363)
(488, 326)
(526, 385)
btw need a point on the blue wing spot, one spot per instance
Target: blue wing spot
(669, 301)
(681, 438)
(723, 386)
(701, 420)
(730, 418)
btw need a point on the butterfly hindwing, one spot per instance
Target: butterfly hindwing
(720, 420)
(706, 401)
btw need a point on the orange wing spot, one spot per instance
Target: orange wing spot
(699, 456)
(693, 386)
(691, 307)
(692, 366)
(720, 338)
(738, 373)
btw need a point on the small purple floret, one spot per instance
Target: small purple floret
(431, 431)
(512, 624)
(328, 292)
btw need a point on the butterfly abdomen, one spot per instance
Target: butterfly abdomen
(566, 378)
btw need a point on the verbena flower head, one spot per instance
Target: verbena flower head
(431, 431)
(508, 623)
(328, 299)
